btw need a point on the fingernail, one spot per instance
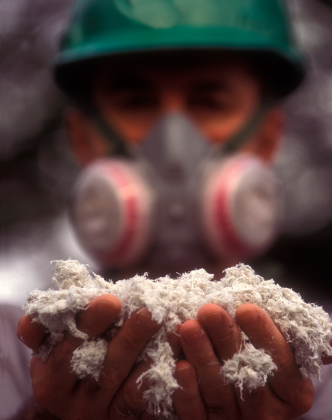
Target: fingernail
(212, 320)
(106, 308)
(248, 316)
(144, 320)
(194, 337)
(183, 374)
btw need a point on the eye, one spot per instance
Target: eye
(205, 102)
(210, 102)
(134, 101)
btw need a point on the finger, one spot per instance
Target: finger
(287, 381)
(261, 403)
(217, 396)
(187, 399)
(94, 321)
(327, 360)
(31, 333)
(221, 329)
(122, 353)
(126, 346)
(173, 339)
(99, 315)
(129, 400)
(53, 380)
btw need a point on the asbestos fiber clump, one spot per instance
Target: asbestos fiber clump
(307, 327)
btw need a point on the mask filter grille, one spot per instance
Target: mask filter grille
(240, 208)
(111, 211)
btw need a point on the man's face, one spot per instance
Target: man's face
(219, 97)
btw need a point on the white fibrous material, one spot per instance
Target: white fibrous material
(306, 327)
(88, 359)
(249, 367)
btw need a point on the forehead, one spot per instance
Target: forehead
(173, 66)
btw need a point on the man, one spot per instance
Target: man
(175, 95)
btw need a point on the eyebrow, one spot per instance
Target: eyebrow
(124, 82)
(210, 86)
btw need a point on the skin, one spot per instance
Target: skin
(219, 97)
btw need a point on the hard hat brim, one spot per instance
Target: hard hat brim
(284, 70)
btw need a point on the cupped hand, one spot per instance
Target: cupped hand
(214, 337)
(54, 384)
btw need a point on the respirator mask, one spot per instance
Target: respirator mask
(176, 198)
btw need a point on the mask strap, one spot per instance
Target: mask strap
(117, 143)
(119, 146)
(243, 135)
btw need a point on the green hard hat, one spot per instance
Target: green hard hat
(103, 28)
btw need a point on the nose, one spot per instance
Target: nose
(172, 100)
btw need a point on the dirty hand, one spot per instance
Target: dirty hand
(215, 337)
(59, 390)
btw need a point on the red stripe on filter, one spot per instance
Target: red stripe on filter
(218, 211)
(134, 201)
(222, 211)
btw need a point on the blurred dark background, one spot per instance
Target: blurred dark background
(37, 169)
(328, 2)
(301, 258)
